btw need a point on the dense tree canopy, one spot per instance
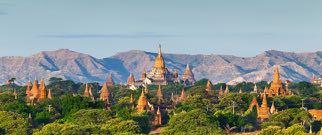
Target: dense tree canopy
(202, 112)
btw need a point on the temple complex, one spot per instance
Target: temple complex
(159, 74)
(263, 111)
(276, 88)
(188, 77)
(37, 92)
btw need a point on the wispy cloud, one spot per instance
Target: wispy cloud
(128, 36)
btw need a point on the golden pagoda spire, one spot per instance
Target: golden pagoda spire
(142, 102)
(42, 89)
(49, 96)
(276, 74)
(188, 71)
(264, 102)
(159, 61)
(105, 94)
(35, 90)
(183, 95)
(159, 95)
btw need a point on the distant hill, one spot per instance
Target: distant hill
(80, 67)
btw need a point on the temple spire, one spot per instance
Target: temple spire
(35, 90)
(105, 94)
(130, 80)
(264, 102)
(159, 62)
(142, 102)
(159, 50)
(42, 89)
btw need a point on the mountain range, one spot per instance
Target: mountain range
(81, 67)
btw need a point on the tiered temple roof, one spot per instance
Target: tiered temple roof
(142, 102)
(276, 88)
(159, 74)
(130, 80)
(105, 94)
(188, 77)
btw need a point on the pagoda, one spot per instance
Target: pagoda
(263, 111)
(276, 88)
(188, 77)
(142, 103)
(42, 91)
(159, 74)
(105, 94)
(130, 80)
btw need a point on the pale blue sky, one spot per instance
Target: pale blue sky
(103, 27)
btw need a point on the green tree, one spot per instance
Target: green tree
(13, 123)
(118, 126)
(69, 129)
(195, 122)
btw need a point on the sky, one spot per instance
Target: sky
(103, 28)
